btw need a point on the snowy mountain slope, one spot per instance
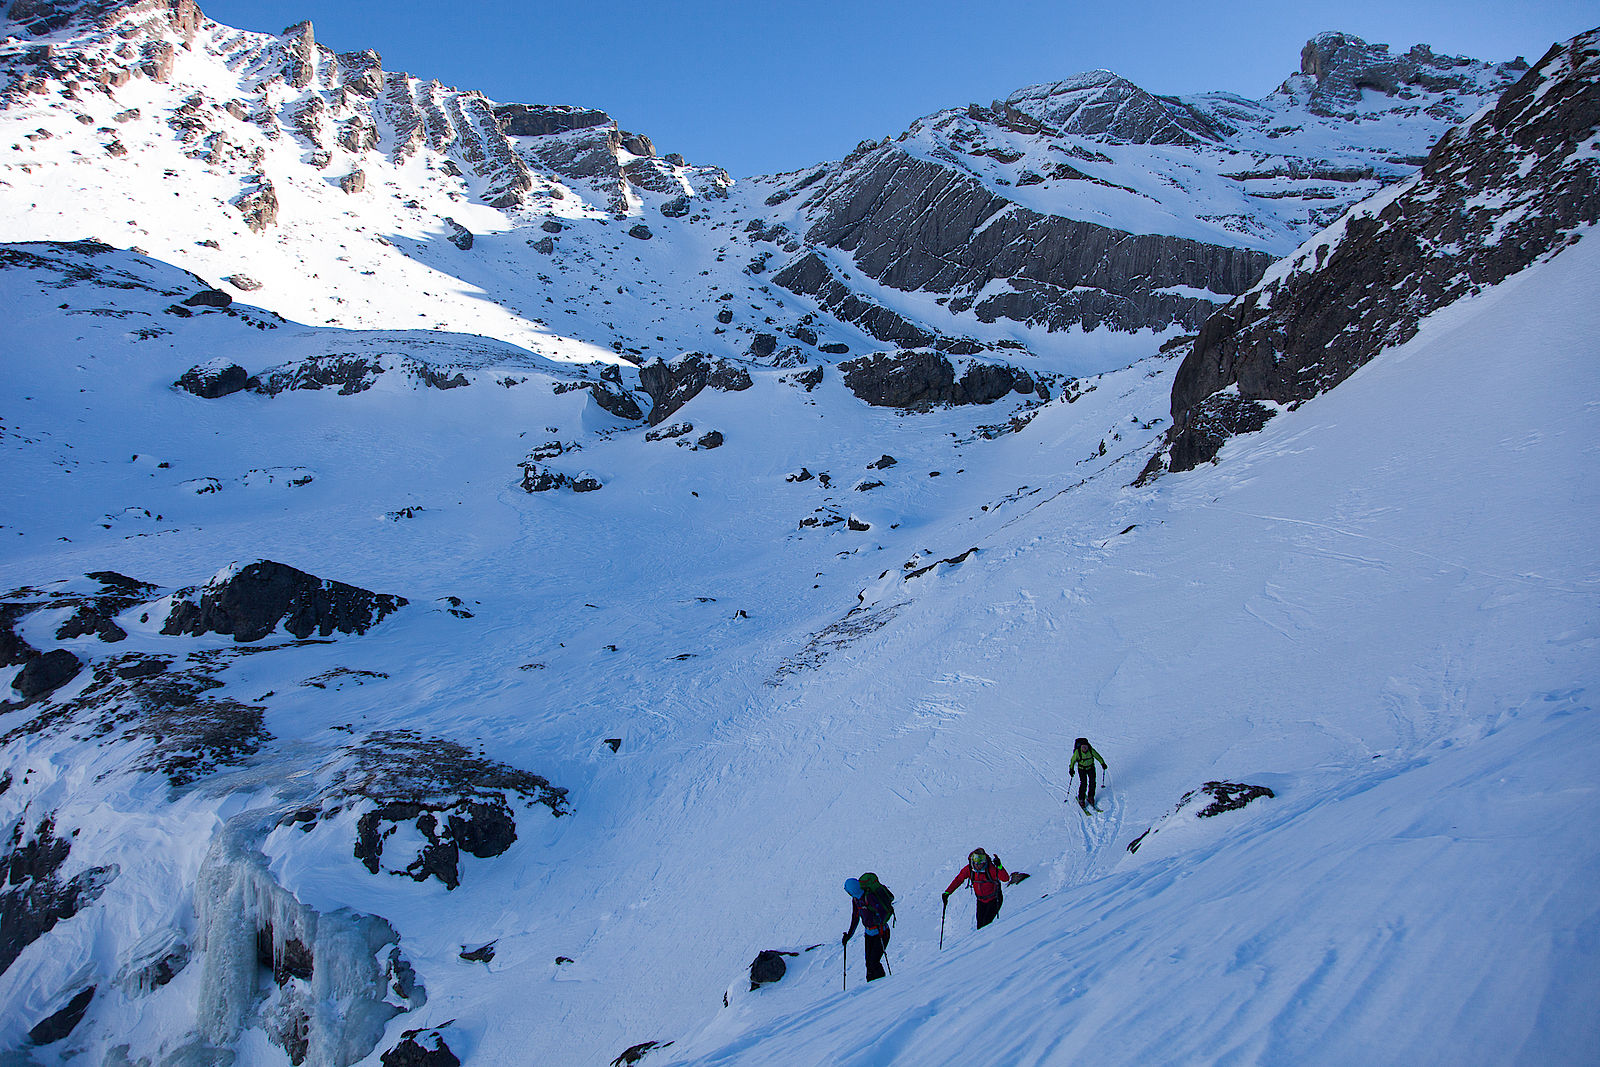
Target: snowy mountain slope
(111, 467)
(831, 637)
(1257, 622)
(342, 190)
(1496, 194)
(1375, 608)
(1091, 203)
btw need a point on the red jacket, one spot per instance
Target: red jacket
(985, 883)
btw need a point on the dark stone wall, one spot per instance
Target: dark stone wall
(1492, 199)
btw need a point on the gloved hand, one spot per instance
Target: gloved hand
(844, 939)
(946, 896)
(997, 862)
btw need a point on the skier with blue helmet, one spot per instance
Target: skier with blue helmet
(872, 906)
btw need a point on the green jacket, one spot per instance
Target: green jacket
(1084, 761)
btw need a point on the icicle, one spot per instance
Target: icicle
(239, 906)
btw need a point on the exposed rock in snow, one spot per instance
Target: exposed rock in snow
(258, 205)
(46, 673)
(61, 1023)
(672, 385)
(426, 801)
(634, 1053)
(412, 1052)
(1513, 186)
(1209, 801)
(767, 967)
(218, 378)
(458, 234)
(210, 298)
(918, 380)
(249, 602)
(35, 896)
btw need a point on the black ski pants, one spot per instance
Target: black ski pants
(876, 943)
(988, 909)
(1086, 786)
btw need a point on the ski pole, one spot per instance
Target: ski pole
(941, 923)
(846, 955)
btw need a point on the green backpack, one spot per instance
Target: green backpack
(878, 893)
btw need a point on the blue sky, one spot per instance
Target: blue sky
(763, 87)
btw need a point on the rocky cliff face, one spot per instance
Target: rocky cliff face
(1075, 206)
(1515, 185)
(915, 225)
(335, 103)
(1010, 211)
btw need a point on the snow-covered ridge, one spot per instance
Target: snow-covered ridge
(375, 199)
(1514, 184)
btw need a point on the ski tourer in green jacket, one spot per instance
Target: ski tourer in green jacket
(1083, 761)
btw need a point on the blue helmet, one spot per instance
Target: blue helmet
(852, 887)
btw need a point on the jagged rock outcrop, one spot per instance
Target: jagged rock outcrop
(810, 275)
(250, 602)
(1100, 103)
(1343, 66)
(672, 385)
(918, 380)
(41, 17)
(528, 120)
(258, 204)
(1494, 196)
(34, 896)
(913, 224)
(46, 673)
(361, 72)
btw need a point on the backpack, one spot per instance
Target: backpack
(986, 885)
(876, 895)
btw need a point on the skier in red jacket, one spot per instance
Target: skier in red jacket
(986, 874)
